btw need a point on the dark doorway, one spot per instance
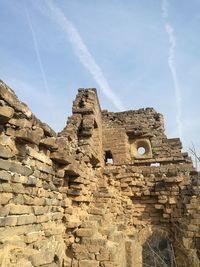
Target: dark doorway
(158, 252)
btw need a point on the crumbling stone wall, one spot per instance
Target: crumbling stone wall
(125, 132)
(61, 204)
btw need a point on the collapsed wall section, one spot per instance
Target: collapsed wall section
(125, 133)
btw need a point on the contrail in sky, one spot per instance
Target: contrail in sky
(37, 53)
(164, 8)
(172, 65)
(82, 51)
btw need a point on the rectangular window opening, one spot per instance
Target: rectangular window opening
(108, 157)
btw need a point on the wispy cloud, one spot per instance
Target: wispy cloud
(164, 8)
(35, 43)
(81, 50)
(172, 65)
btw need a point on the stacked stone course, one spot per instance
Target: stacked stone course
(63, 204)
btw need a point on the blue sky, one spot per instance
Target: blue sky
(137, 53)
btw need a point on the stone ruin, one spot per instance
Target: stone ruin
(95, 193)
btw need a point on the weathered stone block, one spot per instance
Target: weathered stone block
(42, 258)
(85, 232)
(33, 237)
(88, 263)
(31, 180)
(5, 152)
(38, 210)
(50, 143)
(44, 168)
(22, 123)
(15, 167)
(17, 178)
(4, 211)
(9, 221)
(26, 219)
(19, 209)
(44, 218)
(9, 96)
(62, 157)
(5, 114)
(5, 198)
(31, 136)
(18, 188)
(38, 155)
(96, 211)
(104, 255)
(4, 175)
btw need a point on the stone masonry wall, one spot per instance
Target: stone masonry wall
(62, 205)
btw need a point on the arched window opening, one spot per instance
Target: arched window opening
(158, 252)
(108, 157)
(141, 150)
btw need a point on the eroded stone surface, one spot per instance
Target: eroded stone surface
(86, 197)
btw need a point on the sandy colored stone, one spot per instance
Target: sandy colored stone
(5, 113)
(79, 197)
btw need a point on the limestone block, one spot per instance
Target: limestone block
(4, 210)
(9, 96)
(8, 142)
(162, 199)
(5, 152)
(159, 207)
(5, 164)
(38, 155)
(96, 211)
(6, 187)
(73, 222)
(24, 170)
(4, 175)
(18, 188)
(74, 263)
(44, 218)
(73, 192)
(38, 210)
(6, 113)
(50, 143)
(33, 236)
(19, 209)
(32, 136)
(48, 131)
(104, 255)
(85, 232)
(57, 216)
(17, 178)
(8, 221)
(166, 215)
(176, 179)
(62, 157)
(24, 263)
(31, 180)
(22, 123)
(88, 263)
(172, 200)
(89, 224)
(5, 198)
(44, 168)
(26, 219)
(41, 258)
(110, 264)
(15, 167)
